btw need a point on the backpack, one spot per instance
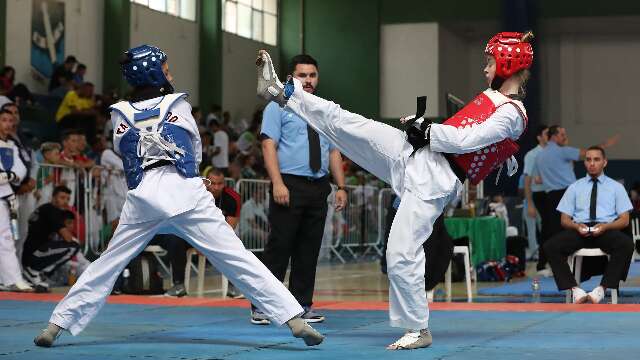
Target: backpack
(144, 276)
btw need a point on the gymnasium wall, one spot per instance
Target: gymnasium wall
(179, 38)
(83, 38)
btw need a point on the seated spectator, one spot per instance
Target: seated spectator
(248, 163)
(77, 111)
(227, 200)
(7, 77)
(66, 85)
(78, 75)
(50, 242)
(47, 176)
(67, 67)
(594, 211)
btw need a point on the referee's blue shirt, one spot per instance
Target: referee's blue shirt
(611, 202)
(289, 132)
(555, 165)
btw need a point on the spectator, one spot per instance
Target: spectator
(197, 115)
(207, 150)
(534, 195)
(215, 114)
(7, 77)
(65, 85)
(78, 75)
(77, 111)
(11, 171)
(555, 165)
(595, 210)
(50, 243)
(248, 162)
(220, 155)
(71, 156)
(47, 176)
(298, 162)
(59, 70)
(248, 141)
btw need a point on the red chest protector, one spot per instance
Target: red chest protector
(479, 164)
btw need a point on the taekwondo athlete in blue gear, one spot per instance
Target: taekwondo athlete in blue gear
(12, 171)
(159, 143)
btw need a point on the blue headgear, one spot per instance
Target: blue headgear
(144, 66)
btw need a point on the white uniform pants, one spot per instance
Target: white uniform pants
(380, 149)
(10, 272)
(205, 228)
(26, 206)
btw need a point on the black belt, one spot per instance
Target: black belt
(456, 169)
(157, 164)
(308, 178)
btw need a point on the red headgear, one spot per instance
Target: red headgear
(511, 53)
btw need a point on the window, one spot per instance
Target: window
(185, 9)
(252, 19)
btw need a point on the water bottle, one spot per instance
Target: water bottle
(535, 290)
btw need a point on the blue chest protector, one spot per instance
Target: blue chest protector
(6, 158)
(150, 136)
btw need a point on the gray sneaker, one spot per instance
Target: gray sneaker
(269, 87)
(413, 339)
(259, 318)
(311, 316)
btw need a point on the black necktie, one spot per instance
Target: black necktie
(594, 197)
(314, 149)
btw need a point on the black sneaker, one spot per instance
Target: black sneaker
(35, 278)
(233, 293)
(178, 290)
(311, 316)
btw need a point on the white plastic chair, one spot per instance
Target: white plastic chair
(577, 256)
(157, 251)
(464, 250)
(202, 260)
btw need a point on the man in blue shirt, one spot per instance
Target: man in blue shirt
(594, 211)
(298, 162)
(555, 166)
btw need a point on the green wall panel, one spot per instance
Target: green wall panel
(117, 30)
(344, 36)
(210, 87)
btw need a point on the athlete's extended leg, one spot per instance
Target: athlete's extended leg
(411, 226)
(90, 292)
(375, 146)
(205, 228)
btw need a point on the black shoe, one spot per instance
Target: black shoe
(178, 290)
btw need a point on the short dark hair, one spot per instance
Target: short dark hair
(599, 148)
(61, 188)
(302, 59)
(5, 111)
(70, 59)
(68, 215)
(213, 171)
(553, 130)
(81, 66)
(541, 129)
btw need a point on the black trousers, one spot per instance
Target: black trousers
(615, 243)
(550, 222)
(538, 198)
(296, 234)
(177, 253)
(50, 256)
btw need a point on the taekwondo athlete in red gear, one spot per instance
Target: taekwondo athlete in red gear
(158, 140)
(426, 166)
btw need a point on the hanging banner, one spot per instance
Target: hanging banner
(47, 36)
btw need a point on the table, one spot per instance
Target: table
(487, 236)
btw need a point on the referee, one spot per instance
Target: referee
(298, 162)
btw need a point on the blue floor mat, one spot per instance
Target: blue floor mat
(154, 332)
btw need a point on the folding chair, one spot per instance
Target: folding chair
(577, 257)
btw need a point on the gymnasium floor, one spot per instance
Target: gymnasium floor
(353, 297)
